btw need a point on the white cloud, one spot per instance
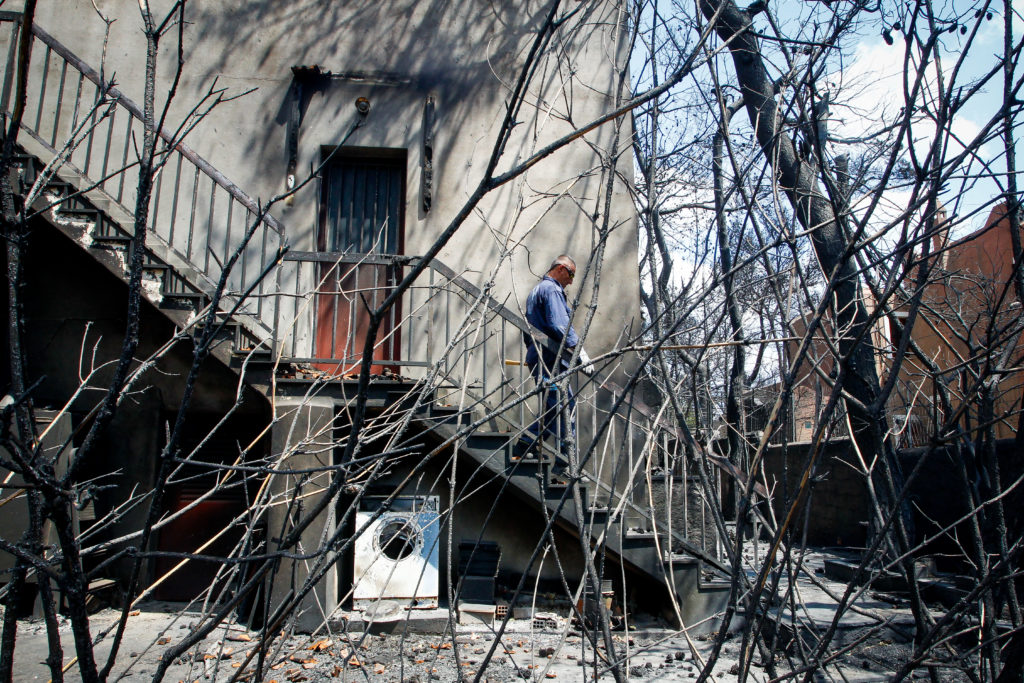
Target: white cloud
(871, 95)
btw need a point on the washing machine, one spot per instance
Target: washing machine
(396, 555)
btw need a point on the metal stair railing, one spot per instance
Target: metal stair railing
(197, 216)
(476, 344)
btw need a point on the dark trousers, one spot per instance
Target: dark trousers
(559, 413)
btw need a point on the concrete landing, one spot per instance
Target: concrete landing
(414, 621)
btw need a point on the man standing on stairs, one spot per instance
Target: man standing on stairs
(549, 348)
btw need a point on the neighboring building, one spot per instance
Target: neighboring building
(428, 86)
(811, 387)
(968, 322)
(968, 326)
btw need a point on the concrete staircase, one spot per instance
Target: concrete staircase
(694, 577)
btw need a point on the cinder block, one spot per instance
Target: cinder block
(475, 613)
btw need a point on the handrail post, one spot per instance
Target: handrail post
(15, 19)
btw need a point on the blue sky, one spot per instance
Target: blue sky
(867, 80)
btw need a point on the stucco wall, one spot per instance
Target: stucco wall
(464, 55)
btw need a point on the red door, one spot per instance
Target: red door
(361, 225)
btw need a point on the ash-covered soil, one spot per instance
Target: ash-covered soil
(873, 640)
(519, 654)
(654, 654)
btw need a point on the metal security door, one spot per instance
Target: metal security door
(361, 227)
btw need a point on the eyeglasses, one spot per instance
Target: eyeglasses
(571, 271)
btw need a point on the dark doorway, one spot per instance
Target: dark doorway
(214, 504)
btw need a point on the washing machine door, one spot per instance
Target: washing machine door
(396, 556)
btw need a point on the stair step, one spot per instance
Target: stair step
(634, 532)
(224, 330)
(401, 400)
(150, 261)
(73, 209)
(176, 286)
(452, 416)
(568, 507)
(378, 403)
(488, 441)
(219, 321)
(62, 187)
(444, 409)
(261, 356)
(108, 231)
(192, 296)
(678, 560)
(257, 354)
(525, 449)
(122, 238)
(246, 344)
(633, 538)
(555, 492)
(506, 436)
(524, 462)
(558, 480)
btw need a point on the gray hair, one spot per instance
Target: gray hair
(562, 260)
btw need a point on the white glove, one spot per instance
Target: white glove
(586, 365)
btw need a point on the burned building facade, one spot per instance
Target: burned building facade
(466, 144)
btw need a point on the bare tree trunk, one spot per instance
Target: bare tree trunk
(15, 234)
(858, 377)
(735, 422)
(798, 179)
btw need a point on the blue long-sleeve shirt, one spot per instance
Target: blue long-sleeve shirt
(548, 312)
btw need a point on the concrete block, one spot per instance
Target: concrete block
(302, 438)
(522, 612)
(476, 613)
